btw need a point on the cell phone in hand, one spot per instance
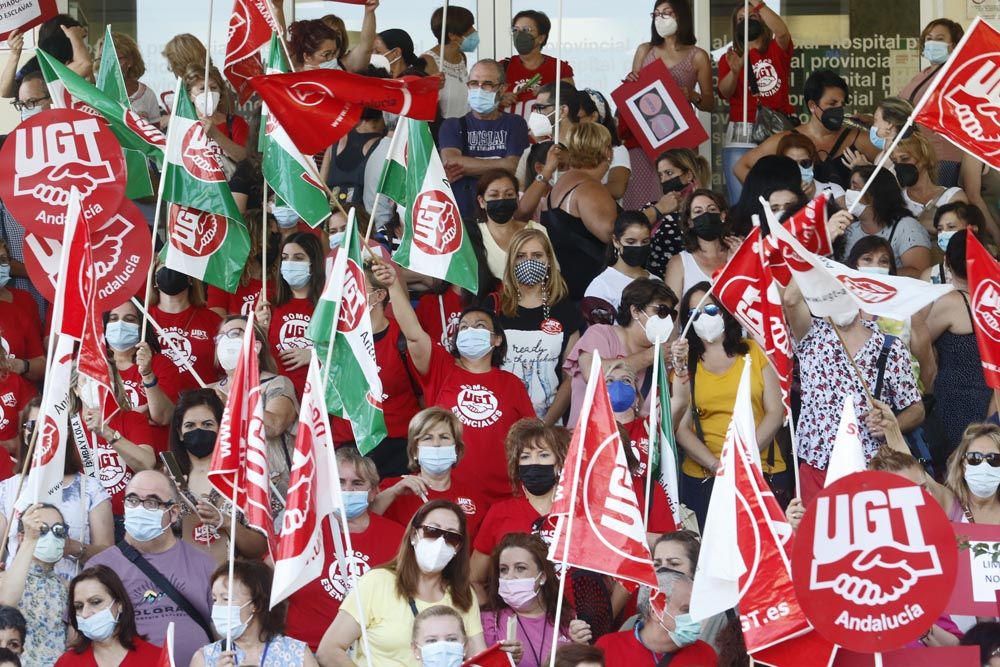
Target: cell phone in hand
(173, 470)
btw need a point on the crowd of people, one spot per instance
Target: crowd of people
(584, 246)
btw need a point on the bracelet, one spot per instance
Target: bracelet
(150, 385)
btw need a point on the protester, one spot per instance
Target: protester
(985, 635)
(357, 58)
(803, 151)
(405, 62)
(981, 184)
(974, 474)
(681, 171)
(677, 551)
(62, 37)
(708, 242)
(769, 174)
(594, 108)
(915, 164)
(13, 629)
(497, 198)
(949, 220)
(888, 121)
(529, 70)
(22, 335)
(141, 97)
(344, 163)
(579, 655)
(226, 132)
(313, 44)
(626, 258)
(251, 283)
(183, 51)
(462, 38)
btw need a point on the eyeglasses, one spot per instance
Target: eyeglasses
(489, 86)
(58, 529)
(451, 538)
(661, 309)
(660, 15)
(975, 458)
(232, 333)
(516, 30)
(805, 164)
(710, 310)
(152, 503)
(539, 107)
(29, 104)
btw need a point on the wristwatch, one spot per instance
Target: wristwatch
(116, 436)
(541, 179)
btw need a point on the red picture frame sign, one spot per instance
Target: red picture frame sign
(25, 14)
(657, 112)
(978, 580)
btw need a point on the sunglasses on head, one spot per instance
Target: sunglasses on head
(451, 538)
(975, 458)
(710, 310)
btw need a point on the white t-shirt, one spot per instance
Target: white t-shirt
(454, 97)
(608, 285)
(496, 257)
(916, 208)
(145, 104)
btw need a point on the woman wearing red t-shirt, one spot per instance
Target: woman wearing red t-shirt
(242, 301)
(217, 115)
(434, 447)
(303, 275)
(469, 382)
(102, 615)
(20, 327)
(530, 31)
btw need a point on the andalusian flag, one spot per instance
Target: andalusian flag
(193, 171)
(70, 91)
(341, 332)
(206, 246)
(111, 82)
(662, 447)
(291, 175)
(434, 241)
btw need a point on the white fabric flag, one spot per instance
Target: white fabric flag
(848, 455)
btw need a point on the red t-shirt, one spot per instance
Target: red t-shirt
(236, 129)
(622, 649)
(144, 655)
(20, 329)
(114, 472)
(192, 332)
(313, 607)
(169, 382)
(487, 404)
(773, 69)
(289, 323)
(468, 498)
(660, 518)
(399, 402)
(15, 392)
(439, 313)
(514, 515)
(6, 465)
(518, 74)
(242, 302)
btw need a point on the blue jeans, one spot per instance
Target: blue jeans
(730, 156)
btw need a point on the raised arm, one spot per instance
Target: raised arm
(796, 311)
(358, 57)
(773, 21)
(417, 341)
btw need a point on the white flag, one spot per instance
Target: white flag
(848, 455)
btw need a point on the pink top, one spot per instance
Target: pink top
(684, 72)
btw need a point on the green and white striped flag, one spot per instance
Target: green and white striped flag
(341, 333)
(111, 82)
(292, 176)
(193, 172)
(206, 246)
(662, 446)
(69, 90)
(434, 240)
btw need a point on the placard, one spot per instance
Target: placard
(978, 578)
(24, 14)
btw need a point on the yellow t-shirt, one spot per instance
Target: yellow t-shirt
(715, 396)
(389, 619)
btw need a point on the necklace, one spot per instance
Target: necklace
(541, 648)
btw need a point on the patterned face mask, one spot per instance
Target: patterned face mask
(530, 271)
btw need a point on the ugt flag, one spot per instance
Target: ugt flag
(341, 333)
(206, 246)
(250, 27)
(964, 97)
(984, 286)
(599, 523)
(662, 446)
(434, 241)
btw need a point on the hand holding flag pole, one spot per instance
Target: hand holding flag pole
(170, 343)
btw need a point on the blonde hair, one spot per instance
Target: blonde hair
(125, 47)
(195, 74)
(588, 145)
(955, 477)
(424, 421)
(923, 153)
(554, 285)
(688, 161)
(364, 467)
(437, 611)
(184, 51)
(895, 111)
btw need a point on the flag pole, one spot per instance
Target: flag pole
(652, 428)
(159, 205)
(555, 138)
(281, 37)
(232, 563)
(170, 343)
(690, 321)
(746, 59)
(208, 64)
(444, 33)
(916, 110)
(263, 246)
(378, 195)
(350, 229)
(342, 516)
(588, 402)
(854, 365)
(25, 467)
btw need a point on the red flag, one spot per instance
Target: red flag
(250, 28)
(491, 657)
(984, 286)
(92, 362)
(80, 277)
(808, 225)
(315, 116)
(239, 460)
(595, 498)
(963, 106)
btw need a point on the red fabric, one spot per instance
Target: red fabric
(811, 482)
(289, 322)
(193, 332)
(242, 302)
(169, 383)
(250, 28)
(428, 311)
(114, 472)
(15, 392)
(399, 403)
(468, 498)
(774, 62)
(487, 404)
(660, 518)
(984, 286)
(515, 515)
(313, 607)
(20, 329)
(518, 74)
(622, 649)
(235, 129)
(145, 654)
(6, 465)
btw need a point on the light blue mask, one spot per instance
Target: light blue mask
(470, 43)
(336, 240)
(686, 630)
(943, 238)
(4, 274)
(482, 101)
(355, 503)
(121, 335)
(143, 524)
(49, 548)
(99, 626)
(436, 460)
(442, 654)
(807, 174)
(286, 216)
(936, 52)
(474, 343)
(877, 141)
(296, 274)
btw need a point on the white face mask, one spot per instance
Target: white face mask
(665, 25)
(877, 270)
(539, 125)
(199, 103)
(433, 555)
(843, 319)
(851, 198)
(379, 61)
(658, 328)
(983, 479)
(228, 352)
(709, 327)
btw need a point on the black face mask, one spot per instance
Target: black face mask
(672, 185)
(199, 442)
(501, 211)
(907, 175)
(635, 255)
(538, 479)
(832, 118)
(171, 282)
(754, 31)
(707, 226)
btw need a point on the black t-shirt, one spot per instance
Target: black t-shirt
(247, 180)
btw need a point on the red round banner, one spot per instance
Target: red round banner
(874, 562)
(121, 247)
(51, 153)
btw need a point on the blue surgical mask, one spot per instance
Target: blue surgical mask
(286, 216)
(943, 238)
(49, 548)
(936, 52)
(875, 270)
(622, 395)
(482, 101)
(4, 274)
(143, 524)
(686, 629)
(470, 43)
(355, 503)
(807, 174)
(474, 343)
(436, 460)
(442, 654)
(99, 626)
(336, 240)
(121, 335)
(877, 141)
(296, 274)
(226, 619)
